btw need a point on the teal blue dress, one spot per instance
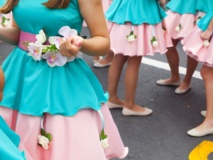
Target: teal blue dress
(9, 142)
(204, 22)
(149, 12)
(189, 6)
(34, 88)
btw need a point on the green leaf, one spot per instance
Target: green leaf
(103, 136)
(43, 133)
(49, 136)
(153, 39)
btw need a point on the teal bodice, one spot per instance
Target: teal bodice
(34, 88)
(135, 11)
(189, 6)
(204, 22)
(43, 18)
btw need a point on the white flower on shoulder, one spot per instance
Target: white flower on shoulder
(43, 141)
(178, 28)
(41, 37)
(104, 143)
(154, 42)
(206, 43)
(131, 37)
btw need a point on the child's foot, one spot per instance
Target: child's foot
(102, 63)
(96, 59)
(183, 88)
(136, 111)
(169, 82)
(115, 104)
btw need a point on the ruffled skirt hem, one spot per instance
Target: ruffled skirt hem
(142, 45)
(193, 45)
(179, 26)
(73, 138)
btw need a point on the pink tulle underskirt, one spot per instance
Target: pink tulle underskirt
(193, 46)
(74, 138)
(142, 45)
(187, 21)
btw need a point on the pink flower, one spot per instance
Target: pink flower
(54, 59)
(66, 31)
(35, 51)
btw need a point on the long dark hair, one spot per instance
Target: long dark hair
(52, 4)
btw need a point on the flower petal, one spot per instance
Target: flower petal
(66, 31)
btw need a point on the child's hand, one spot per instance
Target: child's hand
(206, 35)
(70, 46)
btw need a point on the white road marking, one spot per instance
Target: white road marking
(165, 66)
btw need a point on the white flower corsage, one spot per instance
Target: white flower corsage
(131, 37)
(50, 52)
(178, 28)
(104, 140)
(206, 43)
(5, 22)
(154, 42)
(44, 139)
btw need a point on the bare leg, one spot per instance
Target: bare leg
(191, 66)
(114, 76)
(131, 79)
(173, 60)
(207, 126)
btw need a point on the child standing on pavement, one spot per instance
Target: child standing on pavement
(181, 19)
(199, 46)
(136, 31)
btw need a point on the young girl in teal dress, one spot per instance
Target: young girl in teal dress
(199, 46)
(182, 17)
(52, 99)
(136, 31)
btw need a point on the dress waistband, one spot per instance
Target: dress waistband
(25, 39)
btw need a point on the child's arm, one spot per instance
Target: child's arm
(206, 35)
(93, 14)
(99, 43)
(11, 34)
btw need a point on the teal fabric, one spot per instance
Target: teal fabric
(204, 22)
(189, 6)
(209, 5)
(34, 88)
(135, 11)
(9, 142)
(2, 2)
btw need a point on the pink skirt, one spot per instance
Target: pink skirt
(142, 44)
(193, 45)
(73, 138)
(187, 22)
